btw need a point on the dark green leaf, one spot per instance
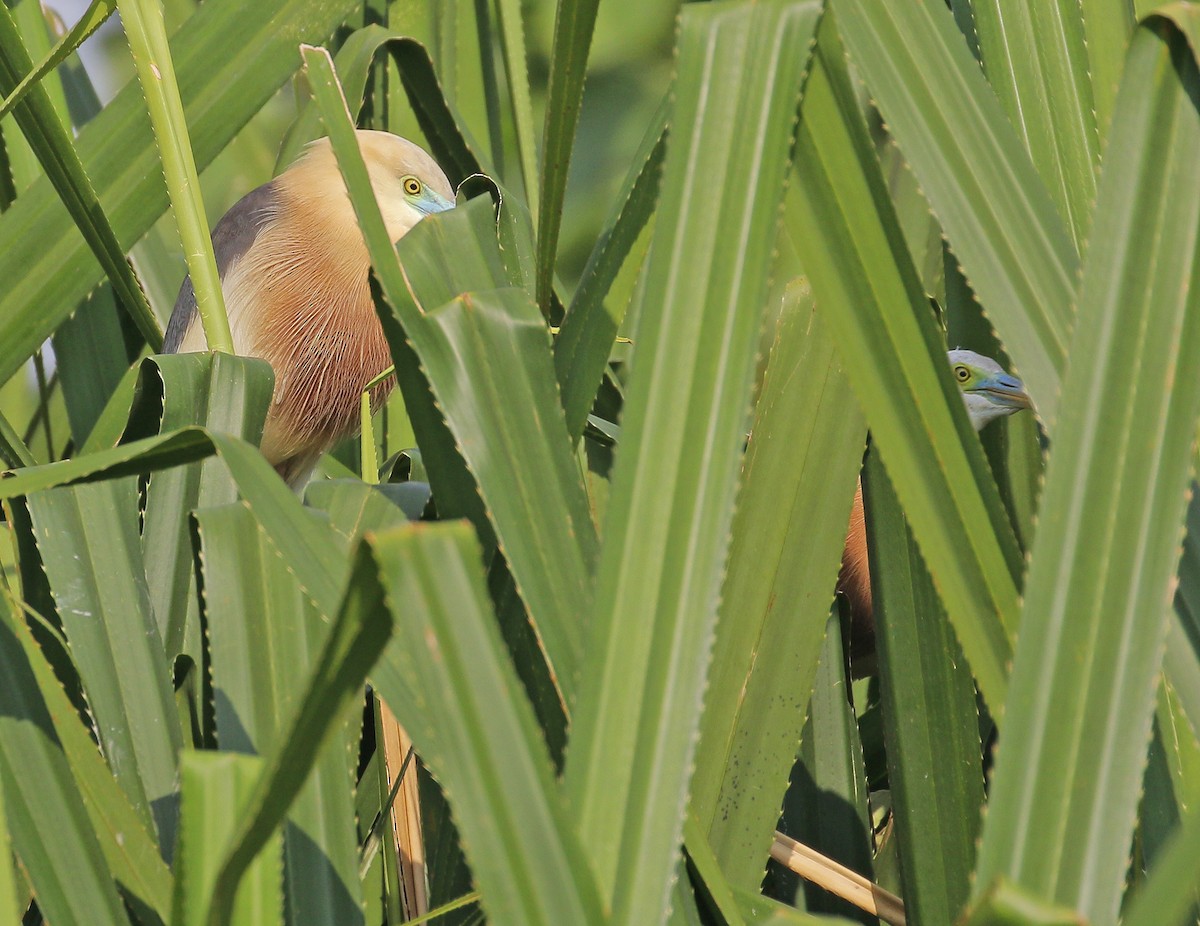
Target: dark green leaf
(333, 685)
(44, 261)
(935, 765)
(450, 681)
(573, 25)
(51, 832)
(88, 543)
(57, 153)
(264, 638)
(585, 340)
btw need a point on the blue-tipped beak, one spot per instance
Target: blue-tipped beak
(1003, 389)
(432, 202)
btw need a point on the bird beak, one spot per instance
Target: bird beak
(434, 203)
(1006, 390)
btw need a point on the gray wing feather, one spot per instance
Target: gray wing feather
(231, 239)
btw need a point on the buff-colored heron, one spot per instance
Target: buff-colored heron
(293, 268)
(989, 393)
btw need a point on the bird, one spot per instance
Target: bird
(294, 275)
(989, 393)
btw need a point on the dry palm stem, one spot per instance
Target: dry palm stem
(838, 879)
(406, 815)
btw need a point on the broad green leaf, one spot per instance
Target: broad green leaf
(1008, 904)
(91, 356)
(131, 852)
(10, 907)
(56, 151)
(132, 459)
(333, 685)
(1107, 24)
(21, 166)
(981, 183)
(1035, 56)
(1171, 784)
(867, 289)
(489, 81)
(263, 638)
(50, 829)
(1168, 894)
(574, 22)
(707, 870)
(310, 551)
(222, 393)
(931, 725)
(355, 508)
(538, 509)
(1181, 662)
(585, 340)
(1182, 745)
(215, 789)
(37, 25)
(922, 231)
(762, 911)
(1090, 643)
(444, 17)
(448, 677)
(44, 261)
(684, 426)
(1181, 666)
(793, 507)
(88, 543)
(825, 806)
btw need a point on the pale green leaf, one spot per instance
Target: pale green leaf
(1000, 221)
(682, 434)
(793, 507)
(1035, 56)
(871, 298)
(1116, 485)
(215, 789)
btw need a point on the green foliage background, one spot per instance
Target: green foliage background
(602, 614)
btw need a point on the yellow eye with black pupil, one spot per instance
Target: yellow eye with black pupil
(962, 373)
(412, 186)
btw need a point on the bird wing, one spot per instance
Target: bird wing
(232, 238)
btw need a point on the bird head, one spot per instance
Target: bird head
(408, 183)
(988, 391)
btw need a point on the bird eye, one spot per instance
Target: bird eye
(412, 186)
(962, 374)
